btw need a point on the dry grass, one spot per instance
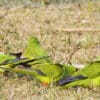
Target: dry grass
(15, 89)
(20, 22)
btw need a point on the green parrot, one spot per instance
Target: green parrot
(12, 63)
(36, 73)
(50, 72)
(34, 50)
(45, 72)
(55, 71)
(90, 74)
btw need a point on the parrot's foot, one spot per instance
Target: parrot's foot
(45, 84)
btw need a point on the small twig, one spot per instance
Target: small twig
(69, 39)
(76, 48)
(78, 30)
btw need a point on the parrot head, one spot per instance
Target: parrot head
(33, 40)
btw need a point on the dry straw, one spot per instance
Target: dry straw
(79, 30)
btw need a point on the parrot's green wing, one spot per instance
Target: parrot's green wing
(90, 71)
(34, 72)
(34, 50)
(53, 71)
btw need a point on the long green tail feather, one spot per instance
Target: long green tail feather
(84, 83)
(22, 61)
(14, 62)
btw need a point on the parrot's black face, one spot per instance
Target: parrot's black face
(17, 55)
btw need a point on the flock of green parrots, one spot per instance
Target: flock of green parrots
(36, 62)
